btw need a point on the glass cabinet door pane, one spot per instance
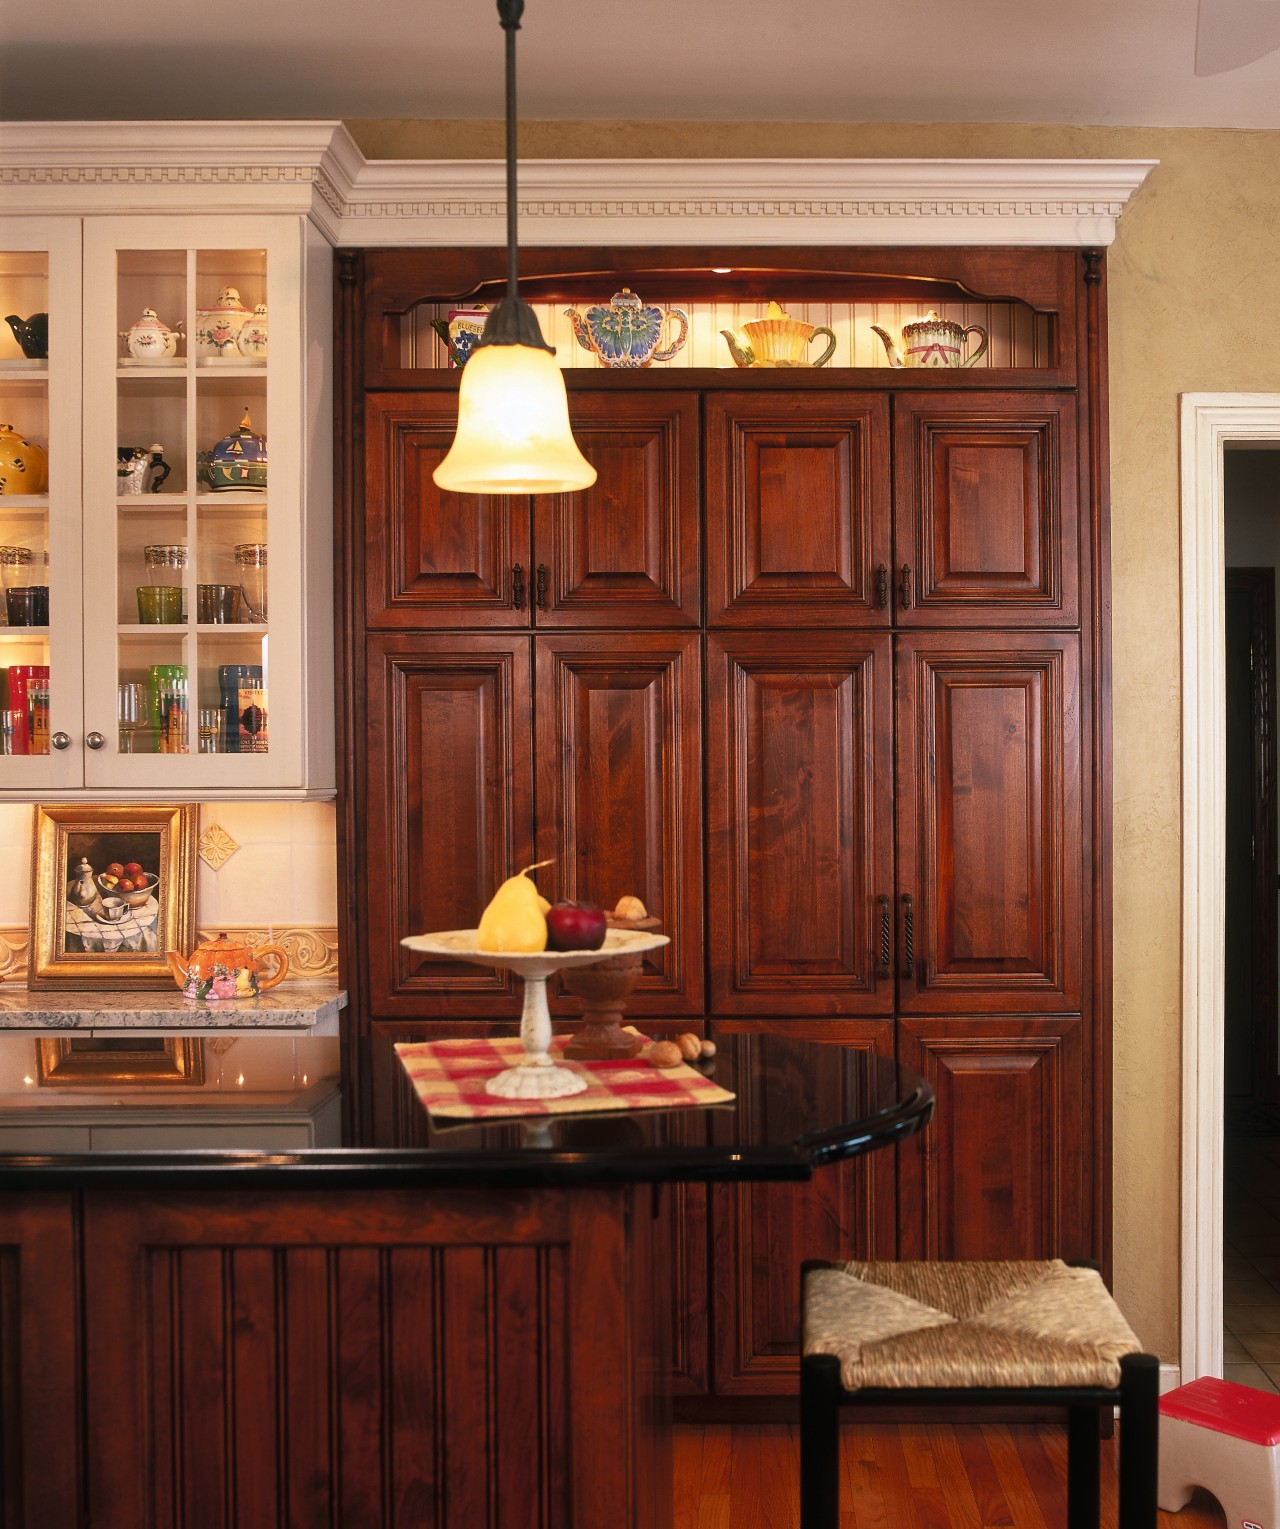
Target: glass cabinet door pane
(190, 518)
(39, 507)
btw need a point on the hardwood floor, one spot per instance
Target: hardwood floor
(896, 1476)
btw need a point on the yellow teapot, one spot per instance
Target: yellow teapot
(778, 340)
(225, 968)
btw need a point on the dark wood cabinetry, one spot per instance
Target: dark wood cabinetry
(818, 668)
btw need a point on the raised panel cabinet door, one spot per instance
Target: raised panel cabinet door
(761, 1232)
(1001, 1170)
(619, 792)
(985, 510)
(436, 559)
(449, 781)
(625, 552)
(797, 509)
(799, 823)
(990, 827)
(41, 1447)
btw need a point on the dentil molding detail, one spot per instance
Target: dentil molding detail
(315, 168)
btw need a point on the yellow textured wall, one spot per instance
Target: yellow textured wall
(1194, 287)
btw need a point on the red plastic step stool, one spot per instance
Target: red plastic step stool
(1225, 1438)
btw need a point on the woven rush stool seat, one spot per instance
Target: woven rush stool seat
(1036, 1333)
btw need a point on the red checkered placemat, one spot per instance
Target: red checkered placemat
(449, 1078)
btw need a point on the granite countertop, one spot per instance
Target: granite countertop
(310, 1006)
(797, 1104)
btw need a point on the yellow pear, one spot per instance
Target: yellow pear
(515, 918)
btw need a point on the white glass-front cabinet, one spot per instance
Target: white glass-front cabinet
(186, 523)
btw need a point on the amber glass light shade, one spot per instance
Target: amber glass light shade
(513, 432)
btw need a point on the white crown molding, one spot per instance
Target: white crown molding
(315, 169)
(738, 201)
(114, 168)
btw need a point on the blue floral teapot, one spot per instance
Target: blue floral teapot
(625, 332)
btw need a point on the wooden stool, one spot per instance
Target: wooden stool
(1225, 1438)
(983, 1334)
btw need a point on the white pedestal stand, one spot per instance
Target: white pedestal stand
(535, 1075)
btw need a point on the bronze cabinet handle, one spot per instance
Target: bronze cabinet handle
(517, 587)
(908, 937)
(904, 587)
(882, 586)
(886, 954)
(542, 586)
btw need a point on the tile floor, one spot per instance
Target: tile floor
(1251, 1262)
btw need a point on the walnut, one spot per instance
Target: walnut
(664, 1054)
(630, 907)
(707, 1048)
(690, 1046)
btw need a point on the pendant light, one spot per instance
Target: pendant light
(513, 433)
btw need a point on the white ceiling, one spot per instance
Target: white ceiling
(1106, 62)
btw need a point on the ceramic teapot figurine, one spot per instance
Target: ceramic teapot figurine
(238, 461)
(461, 332)
(31, 334)
(778, 340)
(225, 968)
(24, 466)
(143, 472)
(933, 341)
(251, 342)
(626, 333)
(218, 328)
(151, 340)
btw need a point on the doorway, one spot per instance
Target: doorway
(1249, 1008)
(1212, 426)
(1251, 1121)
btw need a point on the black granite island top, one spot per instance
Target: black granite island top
(799, 1103)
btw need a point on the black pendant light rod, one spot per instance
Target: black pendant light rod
(510, 12)
(512, 322)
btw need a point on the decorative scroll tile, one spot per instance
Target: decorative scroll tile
(13, 953)
(312, 948)
(216, 846)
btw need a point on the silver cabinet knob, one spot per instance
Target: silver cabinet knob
(61, 740)
(95, 740)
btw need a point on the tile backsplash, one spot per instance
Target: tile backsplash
(284, 872)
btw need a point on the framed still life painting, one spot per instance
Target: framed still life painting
(112, 889)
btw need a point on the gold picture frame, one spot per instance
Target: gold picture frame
(68, 1061)
(88, 933)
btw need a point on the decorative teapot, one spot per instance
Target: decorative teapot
(461, 331)
(778, 340)
(251, 342)
(933, 341)
(31, 334)
(238, 461)
(625, 333)
(218, 328)
(225, 968)
(24, 466)
(151, 340)
(143, 472)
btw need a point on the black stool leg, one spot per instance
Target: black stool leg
(1083, 1478)
(820, 1442)
(1139, 1440)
